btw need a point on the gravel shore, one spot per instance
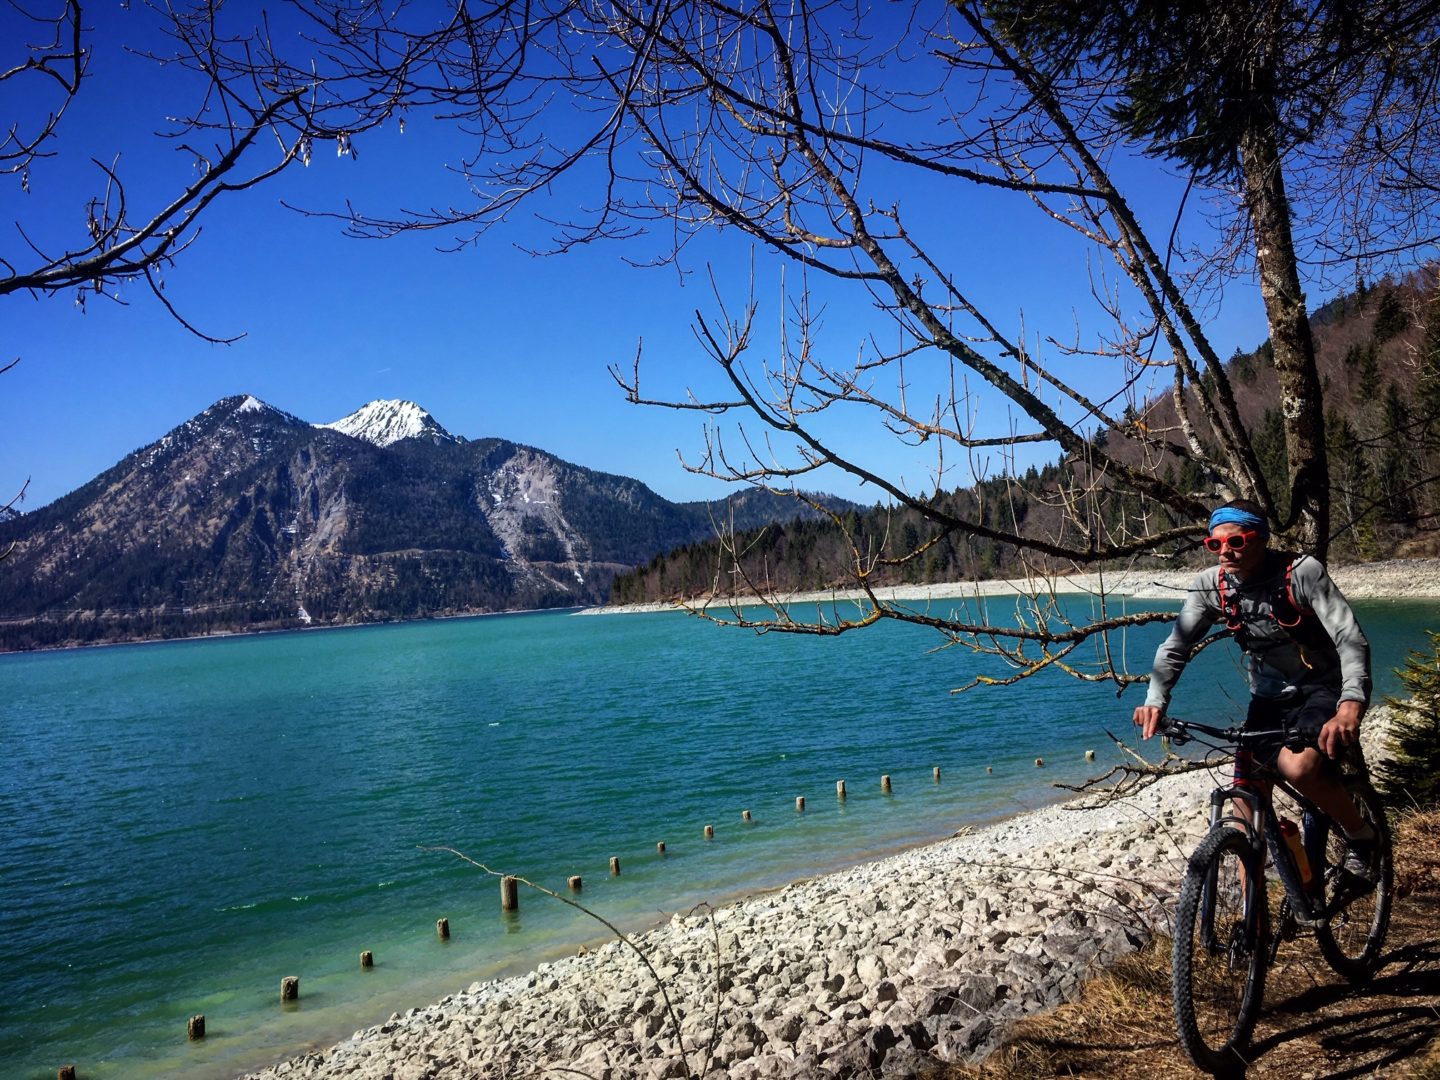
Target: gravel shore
(1394, 579)
(878, 970)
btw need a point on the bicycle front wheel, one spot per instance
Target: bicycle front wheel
(1218, 965)
(1354, 934)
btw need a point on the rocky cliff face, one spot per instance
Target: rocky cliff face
(247, 517)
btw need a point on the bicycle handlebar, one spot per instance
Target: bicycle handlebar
(1179, 732)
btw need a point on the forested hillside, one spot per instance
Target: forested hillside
(1378, 352)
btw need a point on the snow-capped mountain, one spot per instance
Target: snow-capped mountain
(385, 422)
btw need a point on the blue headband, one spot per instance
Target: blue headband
(1233, 515)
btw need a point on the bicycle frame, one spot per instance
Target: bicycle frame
(1261, 828)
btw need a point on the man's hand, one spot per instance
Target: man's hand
(1342, 729)
(1148, 718)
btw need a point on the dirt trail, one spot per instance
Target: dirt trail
(1314, 1026)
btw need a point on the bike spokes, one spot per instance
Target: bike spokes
(1359, 912)
(1221, 947)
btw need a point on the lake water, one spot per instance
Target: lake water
(182, 825)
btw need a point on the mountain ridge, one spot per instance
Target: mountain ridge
(247, 517)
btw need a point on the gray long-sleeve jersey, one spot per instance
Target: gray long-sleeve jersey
(1276, 662)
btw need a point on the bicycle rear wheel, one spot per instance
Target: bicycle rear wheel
(1218, 964)
(1354, 934)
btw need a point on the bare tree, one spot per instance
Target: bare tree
(228, 143)
(809, 128)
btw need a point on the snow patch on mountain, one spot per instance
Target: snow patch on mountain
(239, 405)
(386, 422)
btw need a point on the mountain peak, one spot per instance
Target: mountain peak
(245, 404)
(386, 422)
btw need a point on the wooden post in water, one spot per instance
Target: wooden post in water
(614, 865)
(839, 789)
(509, 894)
(799, 804)
(67, 1072)
(442, 927)
(709, 832)
(744, 815)
(574, 883)
(290, 988)
(937, 774)
(195, 1028)
(367, 959)
(660, 847)
(885, 783)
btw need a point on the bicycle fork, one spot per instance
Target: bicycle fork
(1261, 829)
(1253, 893)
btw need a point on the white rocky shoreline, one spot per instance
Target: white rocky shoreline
(1390, 579)
(876, 968)
(915, 959)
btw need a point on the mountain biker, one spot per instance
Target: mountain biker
(1307, 658)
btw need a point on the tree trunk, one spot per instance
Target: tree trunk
(1301, 401)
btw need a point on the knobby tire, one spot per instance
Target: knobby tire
(1353, 937)
(1220, 951)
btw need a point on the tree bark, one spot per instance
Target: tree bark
(1301, 399)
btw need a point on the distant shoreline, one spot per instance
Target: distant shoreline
(1390, 579)
(220, 635)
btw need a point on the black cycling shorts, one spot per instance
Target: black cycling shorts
(1297, 720)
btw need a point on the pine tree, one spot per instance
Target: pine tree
(1390, 317)
(1412, 775)
(1369, 385)
(1397, 459)
(1427, 386)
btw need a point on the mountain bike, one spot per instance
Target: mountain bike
(1224, 937)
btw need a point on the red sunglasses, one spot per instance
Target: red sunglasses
(1235, 541)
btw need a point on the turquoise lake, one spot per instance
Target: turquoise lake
(183, 824)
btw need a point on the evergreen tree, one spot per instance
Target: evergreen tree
(1397, 458)
(1412, 775)
(1390, 317)
(1242, 366)
(1427, 386)
(1369, 386)
(1354, 486)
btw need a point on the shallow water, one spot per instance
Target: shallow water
(186, 823)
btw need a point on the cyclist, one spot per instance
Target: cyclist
(1307, 659)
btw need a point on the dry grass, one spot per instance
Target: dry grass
(1417, 845)
(1313, 1026)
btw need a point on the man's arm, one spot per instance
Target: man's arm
(1315, 588)
(1196, 617)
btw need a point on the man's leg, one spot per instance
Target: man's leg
(1306, 770)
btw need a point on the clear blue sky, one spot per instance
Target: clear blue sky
(493, 341)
